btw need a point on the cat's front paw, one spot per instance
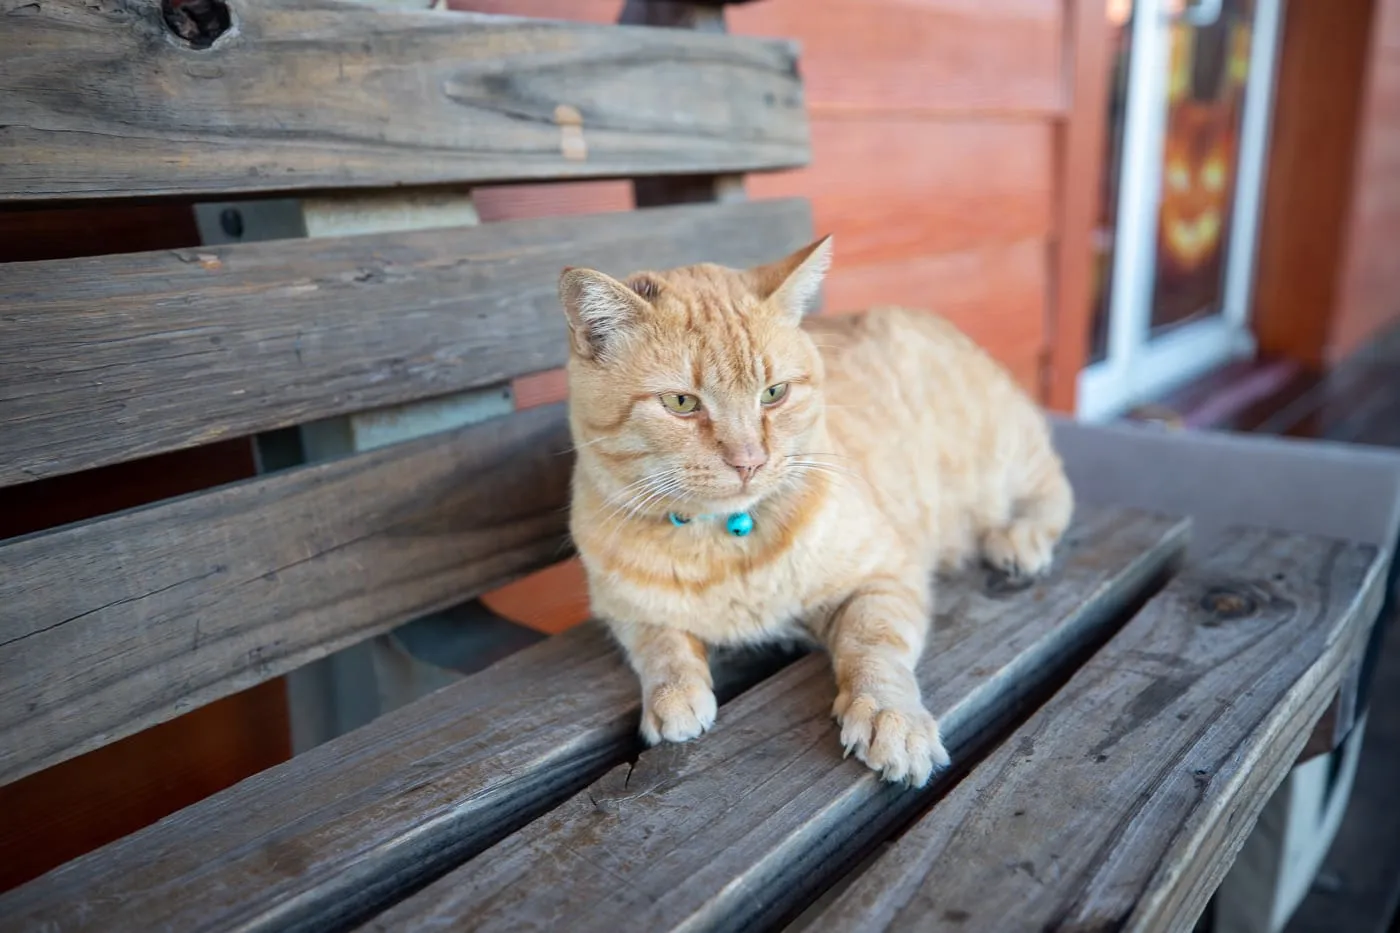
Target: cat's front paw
(899, 740)
(1022, 549)
(678, 711)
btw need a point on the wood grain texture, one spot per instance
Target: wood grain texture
(1080, 158)
(731, 831)
(111, 626)
(330, 836)
(895, 187)
(105, 101)
(1122, 802)
(931, 57)
(119, 357)
(689, 188)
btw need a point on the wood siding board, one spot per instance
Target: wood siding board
(933, 57)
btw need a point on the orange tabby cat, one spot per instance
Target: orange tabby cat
(865, 452)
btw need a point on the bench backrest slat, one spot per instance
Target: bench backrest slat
(124, 356)
(113, 625)
(104, 100)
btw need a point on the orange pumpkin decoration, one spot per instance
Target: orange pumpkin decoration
(1197, 179)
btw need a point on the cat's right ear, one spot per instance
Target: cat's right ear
(600, 310)
(792, 284)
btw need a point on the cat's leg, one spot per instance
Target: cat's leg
(875, 639)
(1041, 508)
(678, 697)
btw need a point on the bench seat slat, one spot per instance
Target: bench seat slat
(113, 625)
(733, 830)
(119, 357)
(329, 836)
(103, 101)
(1123, 801)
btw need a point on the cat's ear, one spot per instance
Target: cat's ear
(600, 310)
(792, 283)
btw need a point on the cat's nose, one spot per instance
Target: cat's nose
(746, 460)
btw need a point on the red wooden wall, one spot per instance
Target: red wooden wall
(1329, 271)
(1369, 301)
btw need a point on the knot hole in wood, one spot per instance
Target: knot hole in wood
(1227, 604)
(198, 22)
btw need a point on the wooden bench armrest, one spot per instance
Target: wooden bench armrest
(1163, 748)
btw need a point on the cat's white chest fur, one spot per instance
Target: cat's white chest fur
(773, 598)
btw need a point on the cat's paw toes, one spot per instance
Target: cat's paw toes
(1021, 549)
(901, 742)
(678, 712)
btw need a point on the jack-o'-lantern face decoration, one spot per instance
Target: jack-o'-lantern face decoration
(1196, 182)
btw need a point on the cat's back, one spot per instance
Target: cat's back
(906, 361)
(933, 421)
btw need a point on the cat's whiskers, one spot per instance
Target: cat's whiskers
(631, 492)
(828, 469)
(822, 453)
(575, 447)
(673, 482)
(815, 459)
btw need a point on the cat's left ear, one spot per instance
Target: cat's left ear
(600, 309)
(792, 283)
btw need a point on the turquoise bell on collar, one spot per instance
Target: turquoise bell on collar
(739, 524)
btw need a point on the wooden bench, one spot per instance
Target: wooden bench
(1164, 704)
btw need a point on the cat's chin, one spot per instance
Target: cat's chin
(740, 502)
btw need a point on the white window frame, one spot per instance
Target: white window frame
(1138, 367)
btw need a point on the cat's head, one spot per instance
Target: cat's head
(695, 389)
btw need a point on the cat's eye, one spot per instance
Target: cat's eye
(680, 404)
(774, 393)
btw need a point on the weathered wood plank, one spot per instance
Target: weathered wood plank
(1122, 802)
(330, 836)
(732, 831)
(109, 626)
(104, 100)
(118, 357)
